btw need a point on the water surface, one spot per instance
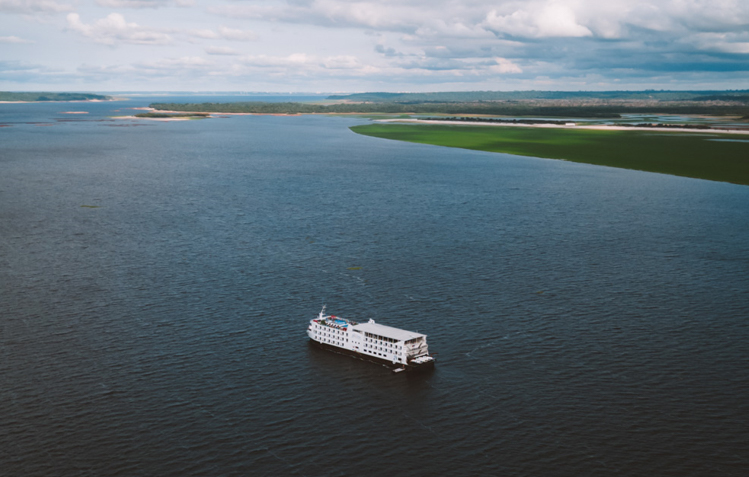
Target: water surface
(586, 320)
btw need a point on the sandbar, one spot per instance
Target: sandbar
(601, 127)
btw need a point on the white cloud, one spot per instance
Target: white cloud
(206, 34)
(388, 15)
(174, 67)
(185, 62)
(505, 66)
(144, 3)
(734, 43)
(549, 19)
(296, 59)
(31, 7)
(301, 64)
(113, 29)
(222, 50)
(235, 34)
(341, 62)
(193, 66)
(225, 33)
(13, 39)
(519, 18)
(388, 42)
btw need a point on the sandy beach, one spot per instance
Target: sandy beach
(602, 127)
(154, 119)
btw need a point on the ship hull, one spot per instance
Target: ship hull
(373, 359)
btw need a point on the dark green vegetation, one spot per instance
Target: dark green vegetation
(172, 115)
(10, 96)
(470, 96)
(392, 108)
(672, 153)
(389, 108)
(582, 104)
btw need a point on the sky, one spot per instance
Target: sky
(363, 45)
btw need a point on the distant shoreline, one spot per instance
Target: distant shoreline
(604, 127)
(50, 97)
(216, 113)
(65, 101)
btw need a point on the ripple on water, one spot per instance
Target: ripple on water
(588, 321)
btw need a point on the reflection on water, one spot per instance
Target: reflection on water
(729, 140)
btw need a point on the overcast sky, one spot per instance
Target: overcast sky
(385, 45)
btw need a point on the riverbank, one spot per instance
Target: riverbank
(709, 154)
(597, 127)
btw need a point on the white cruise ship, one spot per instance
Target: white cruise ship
(400, 349)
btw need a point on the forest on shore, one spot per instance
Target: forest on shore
(37, 97)
(518, 103)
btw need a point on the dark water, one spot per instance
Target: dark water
(588, 321)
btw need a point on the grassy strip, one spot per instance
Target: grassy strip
(674, 153)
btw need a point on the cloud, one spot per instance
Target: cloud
(182, 63)
(348, 66)
(387, 42)
(224, 33)
(296, 59)
(145, 3)
(206, 34)
(236, 35)
(550, 19)
(388, 15)
(505, 66)
(733, 43)
(183, 67)
(310, 62)
(222, 51)
(16, 66)
(301, 64)
(388, 52)
(515, 18)
(25, 72)
(113, 30)
(31, 7)
(13, 39)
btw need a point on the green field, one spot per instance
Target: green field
(676, 153)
